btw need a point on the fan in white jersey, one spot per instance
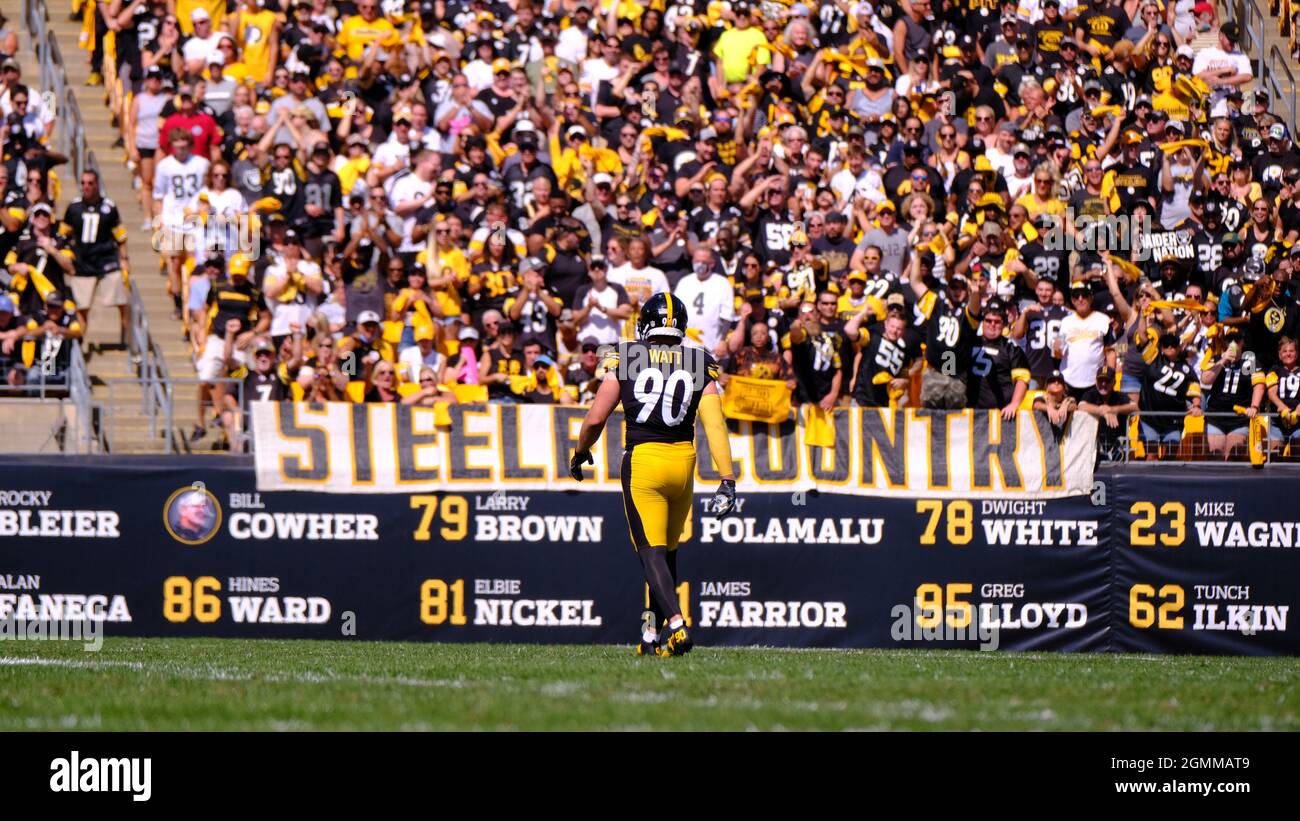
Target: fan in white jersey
(226, 209)
(176, 184)
(411, 192)
(637, 277)
(709, 298)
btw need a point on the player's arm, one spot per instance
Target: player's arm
(715, 430)
(607, 399)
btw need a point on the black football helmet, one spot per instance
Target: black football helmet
(662, 315)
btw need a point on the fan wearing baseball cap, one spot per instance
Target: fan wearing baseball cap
(1223, 66)
(1270, 166)
(1082, 341)
(1129, 181)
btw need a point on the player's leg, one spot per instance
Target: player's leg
(679, 510)
(646, 507)
(677, 640)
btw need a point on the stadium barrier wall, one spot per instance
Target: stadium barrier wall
(1154, 559)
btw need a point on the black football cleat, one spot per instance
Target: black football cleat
(676, 642)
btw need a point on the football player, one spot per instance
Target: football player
(662, 384)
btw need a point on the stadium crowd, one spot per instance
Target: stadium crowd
(1048, 204)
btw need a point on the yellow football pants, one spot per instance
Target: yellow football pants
(658, 481)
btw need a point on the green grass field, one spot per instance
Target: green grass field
(213, 684)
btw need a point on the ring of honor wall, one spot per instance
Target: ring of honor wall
(387, 524)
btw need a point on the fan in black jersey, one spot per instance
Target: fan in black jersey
(51, 332)
(235, 308)
(1283, 386)
(533, 304)
(1232, 268)
(491, 281)
(770, 224)
(1111, 407)
(1270, 311)
(833, 26)
(322, 201)
(1170, 391)
(94, 228)
(950, 317)
(804, 276)
(999, 371)
(707, 219)
(284, 179)
(39, 262)
(884, 359)
(500, 361)
(1037, 325)
(1051, 264)
(816, 358)
(1129, 181)
(1207, 240)
(266, 381)
(1233, 390)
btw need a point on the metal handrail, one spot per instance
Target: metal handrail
(74, 136)
(1269, 64)
(90, 436)
(1280, 64)
(1125, 452)
(151, 366)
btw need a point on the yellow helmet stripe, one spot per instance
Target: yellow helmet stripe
(669, 302)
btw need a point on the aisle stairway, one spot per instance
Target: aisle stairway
(106, 359)
(1276, 33)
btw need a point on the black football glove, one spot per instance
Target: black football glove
(580, 458)
(724, 501)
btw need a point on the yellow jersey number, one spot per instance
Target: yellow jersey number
(960, 520)
(184, 599)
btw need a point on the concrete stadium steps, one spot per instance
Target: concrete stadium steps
(105, 360)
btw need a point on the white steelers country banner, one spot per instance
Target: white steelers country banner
(383, 448)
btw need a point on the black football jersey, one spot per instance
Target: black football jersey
(880, 356)
(495, 285)
(949, 332)
(534, 319)
(1040, 329)
(1288, 384)
(660, 388)
(512, 365)
(771, 236)
(816, 361)
(1166, 388)
(94, 231)
(227, 301)
(1233, 386)
(272, 386)
(29, 252)
(996, 365)
(324, 190)
(286, 184)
